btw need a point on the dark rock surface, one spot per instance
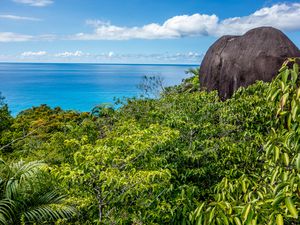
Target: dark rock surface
(235, 61)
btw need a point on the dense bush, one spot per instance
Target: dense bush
(6, 121)
(269, 192)
(183, 158)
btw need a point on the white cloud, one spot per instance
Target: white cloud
(108, 57)
(281, 16)
(46, 37)
(175, 27)
(96, 23)
(14, 17)
(71, 54)
(14, 37)
(39, 53)
(189, 57)
(111, 54)
(37, 3)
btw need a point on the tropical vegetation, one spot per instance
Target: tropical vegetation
(184, 157)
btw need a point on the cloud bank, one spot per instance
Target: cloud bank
(14, 17)
(14, 37)
(37, 3)
(39, 53)
(281, 16)
(70, 54)
(105, 57)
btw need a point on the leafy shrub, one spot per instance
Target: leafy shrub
(269, 192)
(183, 158)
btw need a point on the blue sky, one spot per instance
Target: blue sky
(132, 31)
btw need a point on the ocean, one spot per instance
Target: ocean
(77, 86)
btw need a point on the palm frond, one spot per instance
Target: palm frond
(25, 195)
(2, 161)
(52, 197)
(51, 212)
(21, 172)
(193, 71)
(7, 210)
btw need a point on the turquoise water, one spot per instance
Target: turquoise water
(77, 86)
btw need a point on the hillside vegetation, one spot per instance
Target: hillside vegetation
(183, 158)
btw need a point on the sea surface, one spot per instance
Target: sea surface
(77, 86)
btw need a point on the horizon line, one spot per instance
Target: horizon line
(162, 64)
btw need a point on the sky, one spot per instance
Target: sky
(132, 31)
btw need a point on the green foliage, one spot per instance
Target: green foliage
(6, 121)
(183, 158)
(27, 196)
(103, 110)
(269, 193)
(42, 133)
(5, 117)
(188, 85)
(124, 173)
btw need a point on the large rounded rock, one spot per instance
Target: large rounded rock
(235, 61)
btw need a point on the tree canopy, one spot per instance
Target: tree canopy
(185, 157)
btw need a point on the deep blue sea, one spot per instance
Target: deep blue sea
(77, 86)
